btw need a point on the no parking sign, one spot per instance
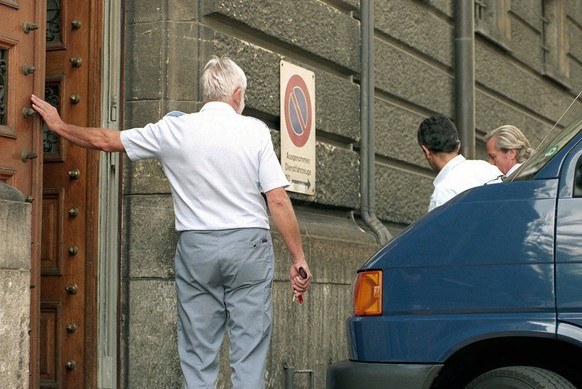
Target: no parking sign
(298, 127)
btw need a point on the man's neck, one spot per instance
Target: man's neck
(441, 159)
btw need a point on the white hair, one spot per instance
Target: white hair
(220, 78)
(509, 137)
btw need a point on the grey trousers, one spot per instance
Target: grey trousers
(223, 279)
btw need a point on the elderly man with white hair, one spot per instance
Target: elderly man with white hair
(219, 164)
(507, 148)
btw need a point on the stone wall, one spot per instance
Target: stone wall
(168, 43)
(15, 230)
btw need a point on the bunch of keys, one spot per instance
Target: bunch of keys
(302, 274)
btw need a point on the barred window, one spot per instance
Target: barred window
(3, 85)
(555, 41)
(492, 21)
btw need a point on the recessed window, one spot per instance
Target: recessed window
(555, 41)
(492, 21)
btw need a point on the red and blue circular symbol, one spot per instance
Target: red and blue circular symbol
(298, 114)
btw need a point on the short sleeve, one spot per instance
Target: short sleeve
(143, 143)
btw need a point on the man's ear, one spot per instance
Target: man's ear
(236, 95)
(237, 99)
(426, 151)
(512, 153)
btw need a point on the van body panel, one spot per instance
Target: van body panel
(479, 227)
(433, 338)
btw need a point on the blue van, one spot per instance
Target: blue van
(484, 291)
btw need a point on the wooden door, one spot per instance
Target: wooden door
(69, 219)
(21, 73)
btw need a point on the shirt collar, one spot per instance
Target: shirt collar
(513, 168)
(217, 106)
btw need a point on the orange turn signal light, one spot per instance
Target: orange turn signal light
(368, 293)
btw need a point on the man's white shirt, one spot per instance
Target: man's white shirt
(460, 174)
(217, 161)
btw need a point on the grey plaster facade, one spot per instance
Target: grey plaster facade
(168, 42)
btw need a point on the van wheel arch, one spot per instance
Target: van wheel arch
(480, 357)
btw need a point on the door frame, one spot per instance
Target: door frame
(108, 288)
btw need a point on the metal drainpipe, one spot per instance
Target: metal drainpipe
(465, 75)
(367, 146)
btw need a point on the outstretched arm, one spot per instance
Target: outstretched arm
(89, 137)
(283, 215)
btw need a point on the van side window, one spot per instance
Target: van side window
(578, 179)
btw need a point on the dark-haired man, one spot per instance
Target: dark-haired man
(439, 140)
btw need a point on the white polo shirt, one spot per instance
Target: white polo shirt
(217, 162)
(460, 174)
